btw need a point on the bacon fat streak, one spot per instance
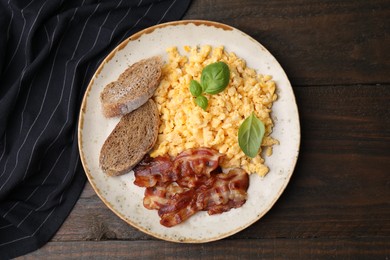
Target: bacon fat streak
(192, 182)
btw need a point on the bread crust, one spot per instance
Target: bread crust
(132, 138)
(133, 87)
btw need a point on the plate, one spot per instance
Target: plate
(123, 197)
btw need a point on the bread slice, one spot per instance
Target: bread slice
(132, 138)
(133, 87)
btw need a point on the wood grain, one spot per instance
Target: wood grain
(377, 248)
(317, 42)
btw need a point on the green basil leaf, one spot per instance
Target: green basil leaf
(202, 101)
(215, 77)
(250, 135)
(195, 88)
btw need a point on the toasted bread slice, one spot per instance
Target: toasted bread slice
(133, 87)
(132, 138)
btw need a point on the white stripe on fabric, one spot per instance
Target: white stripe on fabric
(32, 26)
(4, 147)
(35, 190)
(39, 227)
(5, 166)
(6, 226)
(62, 194)
(20, 38)
(25, 50)
(72, 84)
(71, 90)
(60, 200)
(33, 234)
(10, 21)
(82, 31)
(62, 91)
(55, 30)
(48, 175)
(17, 46)
(120, 21)
(25, 105)
(47, 34)
(61, 97)
(36, 118)
(169, 8)
(29, 90)
(147, 11)
(41, 133)
(115, 28)
(28, 132)
(28, 4)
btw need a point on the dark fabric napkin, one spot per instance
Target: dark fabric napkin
(49, 51)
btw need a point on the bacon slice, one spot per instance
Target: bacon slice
(219, 194)
(161, 195)
(228, 191)
(151, 171)
(192, 182)
(195, 165)
(183, 207)
(197, 161)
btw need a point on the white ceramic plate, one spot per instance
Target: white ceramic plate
(124, 198)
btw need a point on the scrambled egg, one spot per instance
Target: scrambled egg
(185, 125)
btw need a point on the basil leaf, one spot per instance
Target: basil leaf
(215, 77)
(250, 135)
(202, 101)
(195, 88)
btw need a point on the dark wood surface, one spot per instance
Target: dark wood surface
(336, 55)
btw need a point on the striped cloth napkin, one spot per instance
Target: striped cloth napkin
(49, 51)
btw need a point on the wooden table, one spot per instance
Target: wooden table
(337, 56)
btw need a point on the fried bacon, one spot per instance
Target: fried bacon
(220, 193)
(151, 171)
(190, 183)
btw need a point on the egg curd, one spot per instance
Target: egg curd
(185, 125)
